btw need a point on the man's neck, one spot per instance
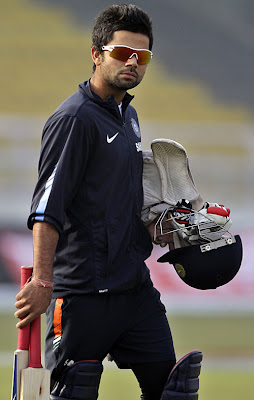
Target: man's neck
(104, 91)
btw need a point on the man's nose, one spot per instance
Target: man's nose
(133, 60)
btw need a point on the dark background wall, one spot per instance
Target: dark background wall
(208, 40)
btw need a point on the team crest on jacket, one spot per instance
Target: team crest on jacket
(135, 127)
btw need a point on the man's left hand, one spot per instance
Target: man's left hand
(162, 240)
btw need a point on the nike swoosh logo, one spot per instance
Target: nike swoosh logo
(110, 140)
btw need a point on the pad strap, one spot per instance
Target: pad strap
(79, 382)
(183, 381)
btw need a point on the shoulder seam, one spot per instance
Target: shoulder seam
(81, 105)
(67, 115)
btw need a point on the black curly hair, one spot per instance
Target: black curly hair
(117, 17)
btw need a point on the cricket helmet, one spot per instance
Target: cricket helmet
(208, 256)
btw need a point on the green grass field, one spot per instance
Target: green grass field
(227, 336)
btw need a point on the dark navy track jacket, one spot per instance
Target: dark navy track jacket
(90, 188)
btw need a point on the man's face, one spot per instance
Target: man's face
(120, 74)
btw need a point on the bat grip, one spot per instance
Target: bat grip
(35, 343)
(24, 333)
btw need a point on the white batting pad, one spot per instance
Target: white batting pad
(176, 179)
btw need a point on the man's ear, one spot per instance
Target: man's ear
(96, 55)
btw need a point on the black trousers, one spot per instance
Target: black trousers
(132, 327)
(152, 378)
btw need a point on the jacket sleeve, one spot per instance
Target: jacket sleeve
(63, 159)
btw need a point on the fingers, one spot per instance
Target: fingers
(32, 301)
(21, 324)
(26, 320)
(18, 297)
(25, 313)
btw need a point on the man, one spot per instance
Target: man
(88, 236)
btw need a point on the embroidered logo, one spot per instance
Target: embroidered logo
(110, 139)
(180, 270)
(135, 127)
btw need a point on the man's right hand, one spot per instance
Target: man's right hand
(32, 301)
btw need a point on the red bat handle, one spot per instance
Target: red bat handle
(24, 333)
(35, 344)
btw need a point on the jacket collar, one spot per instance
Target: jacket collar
(109, 103)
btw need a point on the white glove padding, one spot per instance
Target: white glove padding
(217, 213)
(166, 179)
(176, 179)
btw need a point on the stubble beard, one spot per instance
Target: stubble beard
(117, 82)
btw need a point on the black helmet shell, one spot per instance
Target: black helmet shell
(206, 270)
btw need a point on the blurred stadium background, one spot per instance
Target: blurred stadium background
(198, 91)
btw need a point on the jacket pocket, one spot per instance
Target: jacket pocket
(101, 248)
(142, 241)
(112, 246)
